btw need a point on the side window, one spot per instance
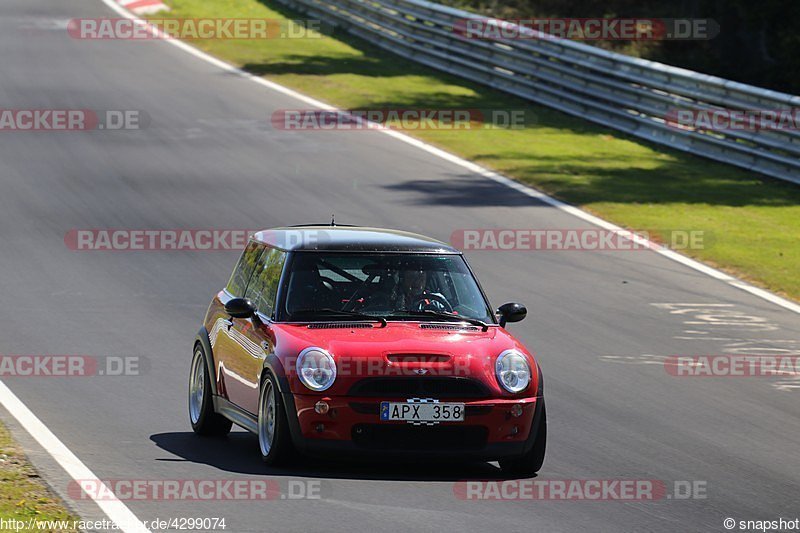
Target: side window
(263, 287)
(244, 269)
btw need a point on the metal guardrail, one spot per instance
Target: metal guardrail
(632, 95)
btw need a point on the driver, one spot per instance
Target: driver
(410, 289)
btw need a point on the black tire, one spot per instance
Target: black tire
(278, 449)
(204, 420)
(530, 463)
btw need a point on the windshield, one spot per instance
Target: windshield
(325, 286)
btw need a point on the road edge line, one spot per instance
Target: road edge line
(115, 509)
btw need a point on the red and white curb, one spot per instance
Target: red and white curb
(143, 7)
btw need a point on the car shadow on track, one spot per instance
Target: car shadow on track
(238, 452)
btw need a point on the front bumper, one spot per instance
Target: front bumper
(352, 425)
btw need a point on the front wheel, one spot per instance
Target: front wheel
(528, 464)
(201, 406)
(273, 427)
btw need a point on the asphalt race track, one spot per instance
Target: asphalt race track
(209, 158)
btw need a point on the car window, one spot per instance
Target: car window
(343, 268)
(394, 285)
(244, 269)
(263, 286)
(463, 292)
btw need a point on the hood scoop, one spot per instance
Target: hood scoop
(450, 327)
(340, 325)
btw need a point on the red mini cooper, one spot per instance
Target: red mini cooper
(336, 339)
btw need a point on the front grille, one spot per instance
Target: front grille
(374, 408)
(419, 438)
(428, 387)
(339, 325)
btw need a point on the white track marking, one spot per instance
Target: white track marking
(477, 169)
(113, 508)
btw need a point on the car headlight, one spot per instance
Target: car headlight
(512, 371)
(316, 368)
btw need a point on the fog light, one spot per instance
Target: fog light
(516, 410)
(514, 430)
(321, 407)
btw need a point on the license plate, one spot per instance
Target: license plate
(422, 412)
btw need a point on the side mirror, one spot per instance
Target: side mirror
(240, 308)
(511, 312)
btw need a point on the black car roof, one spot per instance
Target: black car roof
(350, 239)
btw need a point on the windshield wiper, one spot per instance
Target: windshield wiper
(449, 316)
(327, 311)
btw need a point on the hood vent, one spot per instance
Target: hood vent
(449, 327)
(340, 325)
(418, 358)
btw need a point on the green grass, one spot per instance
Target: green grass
(752, 224)
(23, 494)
